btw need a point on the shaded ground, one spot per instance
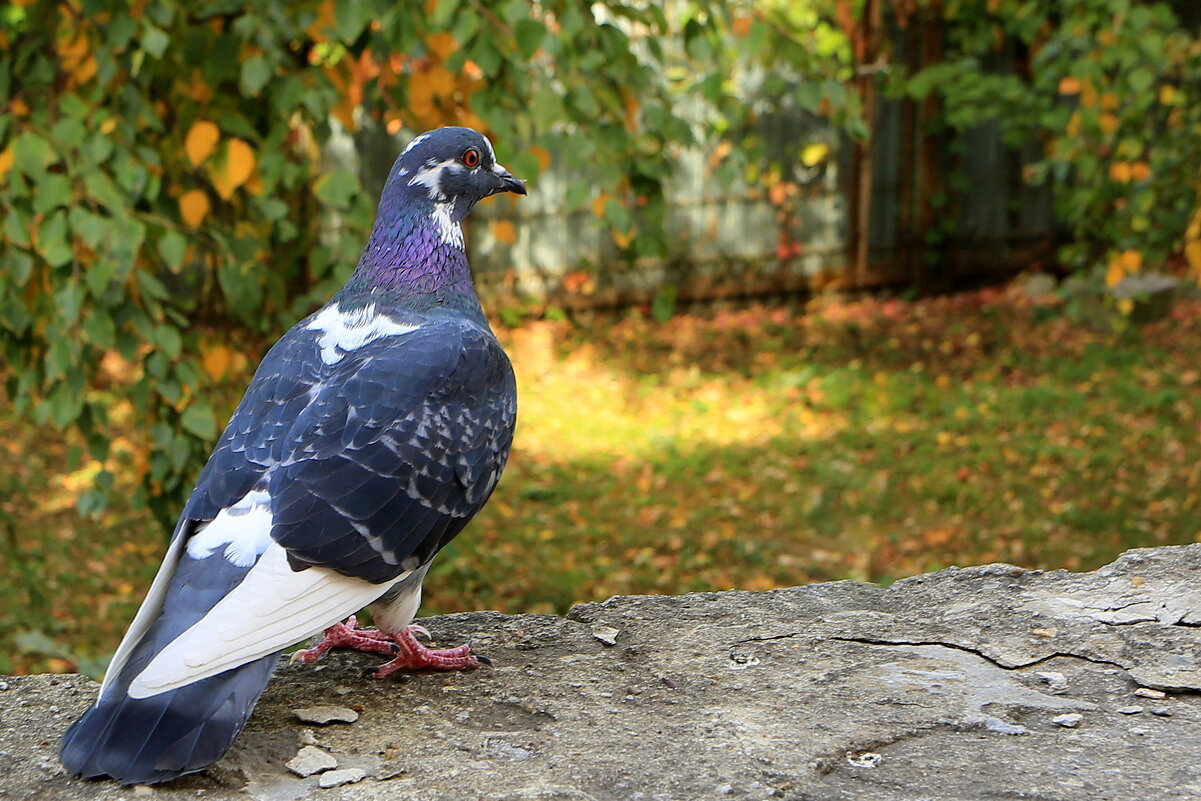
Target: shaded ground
(737, 449)
(984, 683)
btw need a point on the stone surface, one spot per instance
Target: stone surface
(337, 778)
(943, 687)
(309, 760)
(322, 715)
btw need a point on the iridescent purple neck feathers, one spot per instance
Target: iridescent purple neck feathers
(415, 248)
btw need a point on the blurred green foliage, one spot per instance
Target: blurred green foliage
(164, 194)
(1109, 88)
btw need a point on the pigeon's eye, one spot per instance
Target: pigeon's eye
(471, 157)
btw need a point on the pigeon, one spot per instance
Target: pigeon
(370, 435)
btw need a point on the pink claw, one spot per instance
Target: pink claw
(409, 653)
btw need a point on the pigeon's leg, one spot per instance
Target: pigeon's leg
(348, 635)
(415, 656)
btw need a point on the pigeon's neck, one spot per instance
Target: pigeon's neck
(416, 255)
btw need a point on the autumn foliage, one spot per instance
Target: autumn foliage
(167, 204)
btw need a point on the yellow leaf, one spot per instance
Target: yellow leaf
(108, 126)
(201, 139)
(1192, 254)
(217, 360)
(814, 154)
(6, 161)
(1167, 94)
(233, 170)
(598, 204)
(504, 231)
(1119, 171)
(1107, 123)
(194, 206)
(623, 238)
(1069, 86)
(1114, 275)
(441, 45)
(1125, 306)
(1132, 260)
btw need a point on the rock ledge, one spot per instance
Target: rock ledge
(989, 682)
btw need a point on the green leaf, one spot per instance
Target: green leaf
(530, 34)
(69, 132)
(198, 419)
(100, 329)
(336, 188)
(68, 300)
(155, 41)
(16, 227)
(172, 246)
(444, 12)
(32, 154)
(255, 74)
(52, 239)
(168, 338)
(52, 191)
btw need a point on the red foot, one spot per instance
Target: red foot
(410, 654)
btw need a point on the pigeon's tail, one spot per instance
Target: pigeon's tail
(156, 739)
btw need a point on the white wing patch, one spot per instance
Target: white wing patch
(272, 608)
(244, 529)
(343, 332)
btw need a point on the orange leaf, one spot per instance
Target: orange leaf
(1069, 86)
(201, 139)
(1119, 171)
(217, 361)
(1140, 170)
(6, 161)
(194, 206)
(504, 231)
(234, 170)
(543, 156)
(598, 204)
(1131, 260)
(441, 45)
(1192, 254)
(1114, 275)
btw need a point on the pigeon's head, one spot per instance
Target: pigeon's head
(456, 166)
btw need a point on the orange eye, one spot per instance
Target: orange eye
(471, 157)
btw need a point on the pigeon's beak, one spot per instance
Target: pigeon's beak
(505, 182)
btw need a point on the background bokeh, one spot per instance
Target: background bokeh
(802, 290)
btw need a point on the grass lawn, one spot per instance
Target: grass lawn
(745, 449)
